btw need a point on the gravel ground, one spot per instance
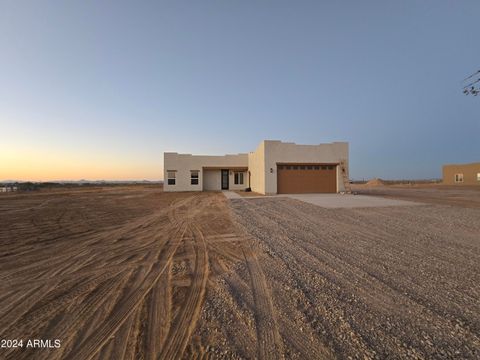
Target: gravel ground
(461, 195)
(390, 282)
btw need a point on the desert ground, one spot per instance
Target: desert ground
(462, 196)
(136, 273)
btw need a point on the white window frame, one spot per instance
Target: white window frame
(238, 177)
(194, 180)
(458, 178)
(171, 175)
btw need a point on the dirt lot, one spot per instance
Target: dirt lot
(463, 196)
(113, 273)
(128, 273)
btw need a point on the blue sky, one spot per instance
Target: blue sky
(93, 89)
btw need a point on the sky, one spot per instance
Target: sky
(100, 89)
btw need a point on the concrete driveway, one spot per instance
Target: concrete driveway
(347, 200)
(332, 200)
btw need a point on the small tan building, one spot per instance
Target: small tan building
(461, 174)
(275, 167)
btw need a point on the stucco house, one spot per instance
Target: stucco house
(275, 167)
(461, 174)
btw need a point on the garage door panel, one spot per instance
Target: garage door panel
(306, 178)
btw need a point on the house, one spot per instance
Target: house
(275, 167)
(461, 174)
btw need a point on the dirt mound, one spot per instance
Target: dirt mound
(375, 182)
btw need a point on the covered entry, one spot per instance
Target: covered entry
(220, 178)
(306, 178)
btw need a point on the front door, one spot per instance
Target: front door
(224, 179)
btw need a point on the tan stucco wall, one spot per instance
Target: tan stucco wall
(469, 172)
(183, 163)
(256, 166)
(212, 180)
(280, 152)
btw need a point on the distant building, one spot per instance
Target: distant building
(461, 174)
(8, 188)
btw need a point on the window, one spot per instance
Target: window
(289, 167)
(309, 167)
(330, 167)
(280, 167)
(171, 177)
(478, 176)
(316, 167)
(194, 177)
(295, 167)
(302, 167)
(458, 178)
(238, 178)
(324, 167)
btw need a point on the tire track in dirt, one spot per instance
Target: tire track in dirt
(49, 301)
(99, 314)
(127, 306)
(63, 325)
(59, 263)
(15, 309)
(186, 320)
(67, 327)
(159, 313)
(130, 345)
(123, 344)
(268, 336)
(68, 277)
(18, 309)
(95, 341)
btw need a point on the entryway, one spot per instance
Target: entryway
(225, 179)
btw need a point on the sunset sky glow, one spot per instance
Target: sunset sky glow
(99, 90)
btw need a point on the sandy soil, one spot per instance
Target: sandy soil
(117, 273)
(129, 273)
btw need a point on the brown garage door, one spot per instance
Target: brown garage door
(306, 178)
